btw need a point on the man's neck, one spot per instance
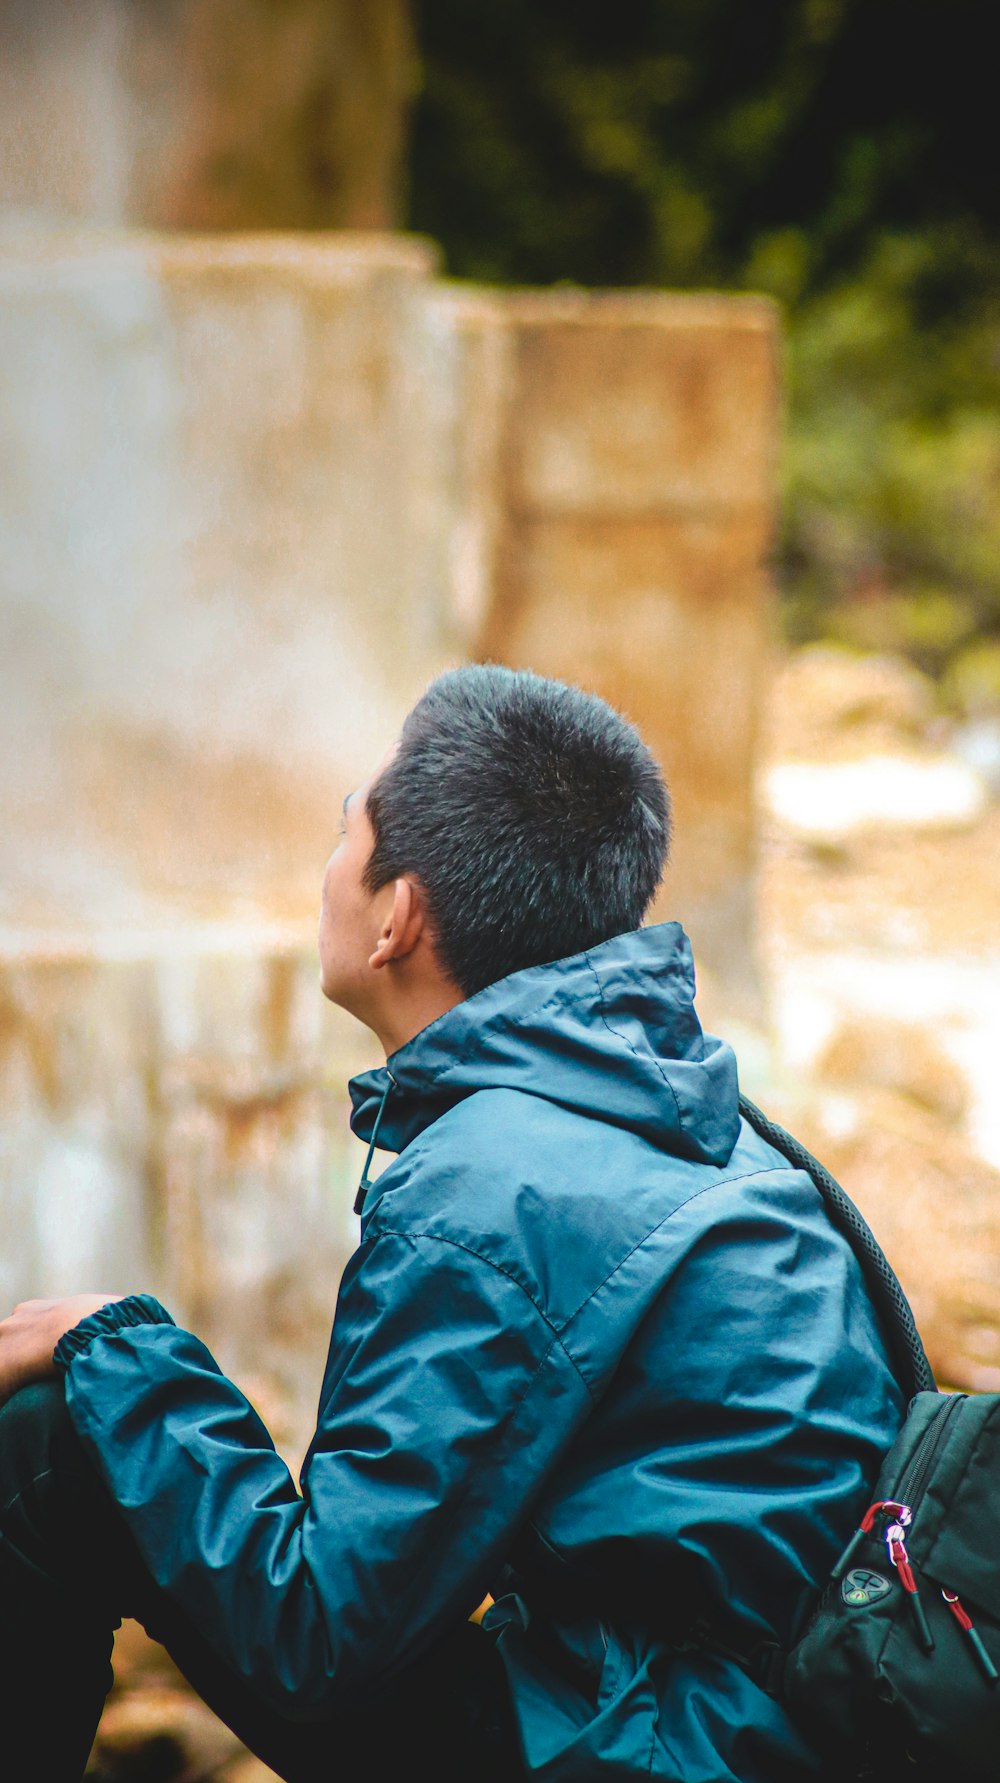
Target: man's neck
(395, 1028)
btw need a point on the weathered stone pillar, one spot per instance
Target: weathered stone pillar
(617, 453)
(223, 581)
(173, 1116)
(205, 114)
(221, 565)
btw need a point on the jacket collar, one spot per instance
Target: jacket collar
(610, 1032)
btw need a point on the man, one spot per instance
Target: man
(599, 1357)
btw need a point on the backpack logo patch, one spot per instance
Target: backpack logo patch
(861, 1587)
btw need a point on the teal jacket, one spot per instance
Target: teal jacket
(599, 1353)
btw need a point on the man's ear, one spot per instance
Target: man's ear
(403, 925)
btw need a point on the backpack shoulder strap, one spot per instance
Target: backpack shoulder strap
(913, 1370)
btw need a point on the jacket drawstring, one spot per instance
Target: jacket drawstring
(364, 1185)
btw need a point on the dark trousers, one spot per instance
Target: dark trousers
(69, 1571)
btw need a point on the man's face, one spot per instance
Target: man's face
(349, 916)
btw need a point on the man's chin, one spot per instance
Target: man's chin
(342, 996)
(332, 991)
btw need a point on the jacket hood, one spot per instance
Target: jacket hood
(611, 1033)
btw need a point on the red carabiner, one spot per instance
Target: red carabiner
(903, 1512)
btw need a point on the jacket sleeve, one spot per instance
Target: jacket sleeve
(446, 1398)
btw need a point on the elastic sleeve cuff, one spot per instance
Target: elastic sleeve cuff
(135, 1309)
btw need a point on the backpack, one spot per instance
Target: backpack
(898, 1666)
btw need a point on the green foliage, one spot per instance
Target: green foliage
(830, 152)
(893, 453)
(972, 681)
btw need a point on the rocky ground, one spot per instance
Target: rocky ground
(880, 951)
(155, 1730)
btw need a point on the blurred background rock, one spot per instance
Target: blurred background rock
(268, 463)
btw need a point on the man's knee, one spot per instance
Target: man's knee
(34, 1429)
(56, 1523)
(48, 1488)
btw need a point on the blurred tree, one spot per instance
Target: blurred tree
(832, 152)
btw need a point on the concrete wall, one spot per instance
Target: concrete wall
(254, 493)
(205, 114)
(173, 1116)
(221, 560)
(629, 514)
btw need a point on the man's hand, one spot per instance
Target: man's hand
(29, 1336)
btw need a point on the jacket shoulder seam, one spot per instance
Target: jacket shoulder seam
(498, 1269)
(727, 1183)
(558, 1331)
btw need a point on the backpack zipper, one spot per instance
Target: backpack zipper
(895, 1541)
(898, 1514)
(929, 1447)
(912, 1487)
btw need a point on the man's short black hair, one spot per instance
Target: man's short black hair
(532, 814)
